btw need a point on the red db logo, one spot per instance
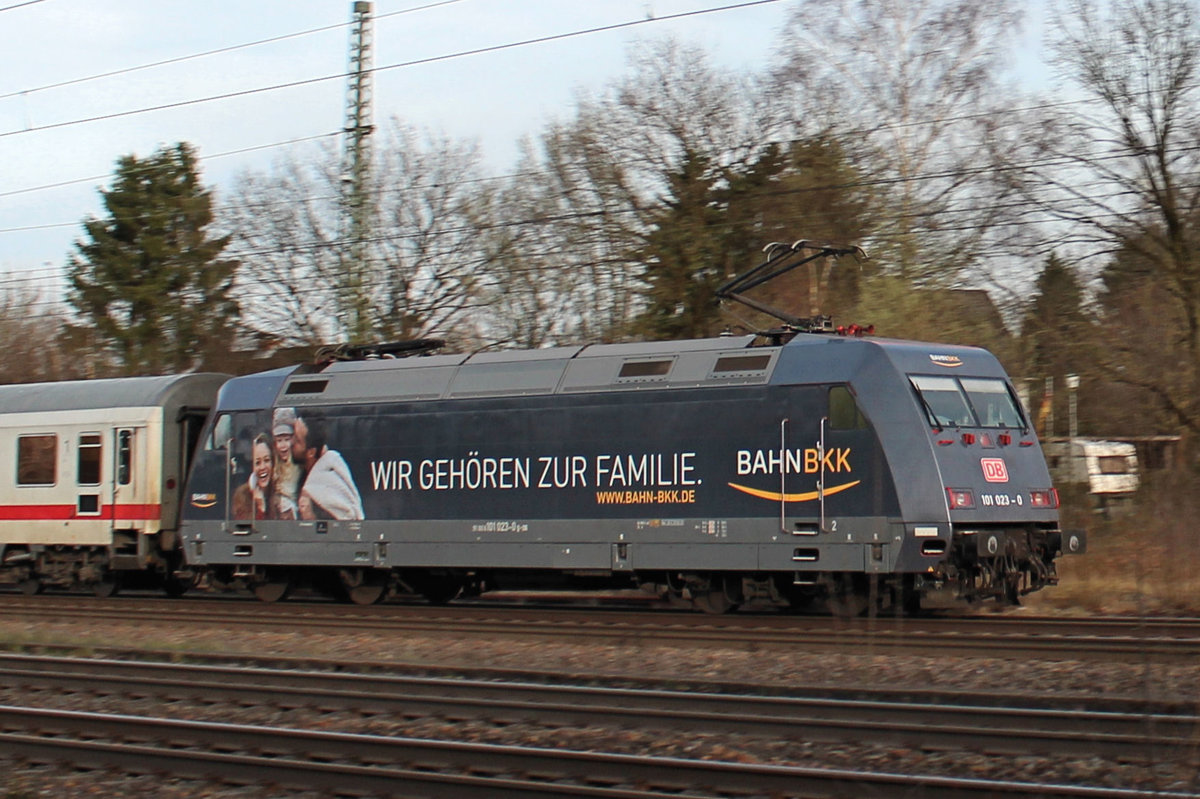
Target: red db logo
(994, 470)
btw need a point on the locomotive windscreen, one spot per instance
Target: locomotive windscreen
(968, 401)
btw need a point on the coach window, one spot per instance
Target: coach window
(90, 448)
(37, 460)
(125, 457)
(843, 410)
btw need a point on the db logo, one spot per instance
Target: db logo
(994, 470)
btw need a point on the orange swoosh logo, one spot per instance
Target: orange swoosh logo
(776, 496)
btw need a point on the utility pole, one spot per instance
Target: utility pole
(357, 207)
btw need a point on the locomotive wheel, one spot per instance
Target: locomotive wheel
(175, 588)
(105, 588)
(440, 593)
(845, 597)
(31, 586)
(363, 587)
(366, 594)
(272, 591)
(721, 597)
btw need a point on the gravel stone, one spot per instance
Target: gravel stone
(1144, 681)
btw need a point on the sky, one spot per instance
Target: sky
(63, 125)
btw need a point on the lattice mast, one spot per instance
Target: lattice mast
(357, 206)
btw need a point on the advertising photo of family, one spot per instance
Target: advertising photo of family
(295, 474)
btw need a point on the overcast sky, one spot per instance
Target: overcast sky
(494, 97)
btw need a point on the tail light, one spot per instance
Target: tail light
(960, 498)
(1044, 498)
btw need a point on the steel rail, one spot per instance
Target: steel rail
(1033, 637)
(619, 610)
(1021, 727)
(391, 766)
(1140, 704)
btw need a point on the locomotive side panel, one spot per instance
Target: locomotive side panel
(712, 478)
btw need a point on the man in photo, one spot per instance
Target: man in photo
(328, 491)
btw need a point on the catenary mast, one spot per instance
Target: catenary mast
(357, 207)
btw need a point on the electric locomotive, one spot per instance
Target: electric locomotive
(713, 470)
(787, 467)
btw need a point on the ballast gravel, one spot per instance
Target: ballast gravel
(19, 780)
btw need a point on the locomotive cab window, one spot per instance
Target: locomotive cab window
(37, 460)
(968, 401)
(994, 404)
(222, 431)
(843, 410)
(90, 457)
(943, 401)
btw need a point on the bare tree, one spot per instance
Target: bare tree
(429, 263)
(36, 345)
(563, 238)
(284, 225)
(425, 261)
(912, 83)
(580, 212)
(1119, 170)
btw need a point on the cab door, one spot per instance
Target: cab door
(219, 468)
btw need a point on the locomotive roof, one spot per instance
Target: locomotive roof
(121, 392)
(723, 361)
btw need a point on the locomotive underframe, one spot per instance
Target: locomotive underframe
(1001, 563)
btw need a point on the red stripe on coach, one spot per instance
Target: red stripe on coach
(37, 513)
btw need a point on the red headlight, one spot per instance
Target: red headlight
(960, 498)
(1044, 498)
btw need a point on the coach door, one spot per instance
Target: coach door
(128, 477)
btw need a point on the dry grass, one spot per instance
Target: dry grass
(1145, 559)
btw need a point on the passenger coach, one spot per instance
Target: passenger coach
(91, 483)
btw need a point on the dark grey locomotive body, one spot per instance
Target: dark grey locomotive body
(843, 469)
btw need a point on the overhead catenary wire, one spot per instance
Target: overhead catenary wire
(862, 184)
(386, 68)
(1050, 161)
(965, 116)
(218, 51)
(21, 5)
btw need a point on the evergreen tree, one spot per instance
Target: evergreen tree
(714, 222)
(684, 253)
(149, 282)
(1056, 334)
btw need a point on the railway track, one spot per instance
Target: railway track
(1040, 638)
(374, 765)
(941, 719)
(380, 765)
